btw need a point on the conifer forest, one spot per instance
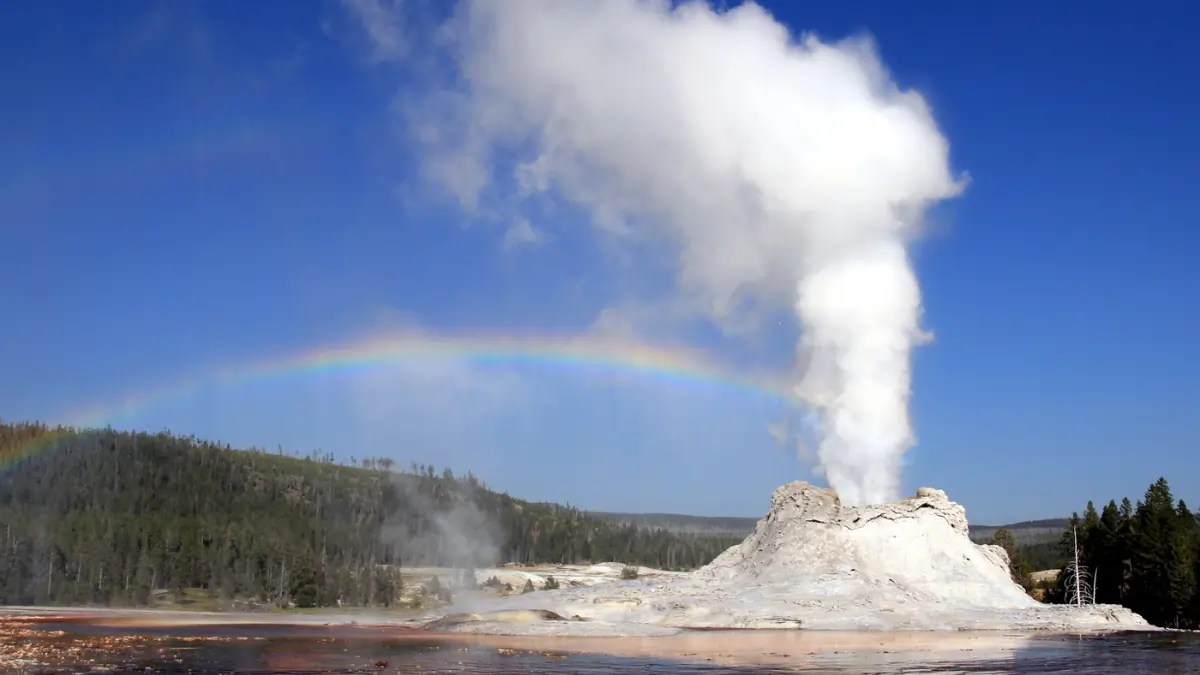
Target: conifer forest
(1143, 555)
(108, 517)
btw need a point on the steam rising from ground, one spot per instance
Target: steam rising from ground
(457, 534)
(784, 173)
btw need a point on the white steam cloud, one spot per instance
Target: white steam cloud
(785, 172)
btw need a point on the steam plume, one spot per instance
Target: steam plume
(786, 173)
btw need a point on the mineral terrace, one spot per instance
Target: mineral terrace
(811, 564)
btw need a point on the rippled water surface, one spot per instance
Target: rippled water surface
(81, 646)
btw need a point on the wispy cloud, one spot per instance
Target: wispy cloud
(167, 25)
(445, 396)
(383, 23)
(637, 322)
(521, 233)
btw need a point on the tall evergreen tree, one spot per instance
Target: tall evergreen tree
(1018, 565)
(1106, 556)
(1152, 561)
(1181, 566)
(1193, 611)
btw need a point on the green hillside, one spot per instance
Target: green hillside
(109, 517)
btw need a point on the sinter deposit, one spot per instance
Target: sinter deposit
(812, 563)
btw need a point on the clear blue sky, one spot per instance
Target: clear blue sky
(185, 185)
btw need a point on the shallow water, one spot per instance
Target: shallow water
(82, 646)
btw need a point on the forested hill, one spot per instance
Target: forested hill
(1028, 533)
(729, 526)
(104, 516)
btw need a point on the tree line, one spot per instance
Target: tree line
(100, 516)
(1145, 556)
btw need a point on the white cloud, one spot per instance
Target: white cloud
(522, 233)
(454, 391)
(634, 321)
(383, 22)
(621, 323)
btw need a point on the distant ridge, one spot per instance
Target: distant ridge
(1024, 532)
(684, 524)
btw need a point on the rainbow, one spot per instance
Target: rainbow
(673, 366)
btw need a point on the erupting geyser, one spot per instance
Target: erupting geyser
(784, 174)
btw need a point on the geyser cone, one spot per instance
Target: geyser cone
(913, 550)
(815, 563)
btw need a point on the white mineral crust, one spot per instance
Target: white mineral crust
(813, 564)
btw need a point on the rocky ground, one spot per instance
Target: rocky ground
(811, 564)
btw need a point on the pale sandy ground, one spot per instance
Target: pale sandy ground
(565, 575)
(787, 648)
(1044, 575)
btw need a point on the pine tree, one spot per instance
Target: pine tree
(1157, 557)
(1090, 541)
(1181, 566)
(1091, 519)
(1193, 612)
(304, 590)
(1108, 572)
(1018, 565)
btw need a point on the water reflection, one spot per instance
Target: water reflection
(79, 645)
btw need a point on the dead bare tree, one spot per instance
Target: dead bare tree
(1080, 589)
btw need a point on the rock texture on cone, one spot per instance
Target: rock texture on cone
(812, 563)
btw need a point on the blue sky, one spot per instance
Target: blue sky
(187, 185)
